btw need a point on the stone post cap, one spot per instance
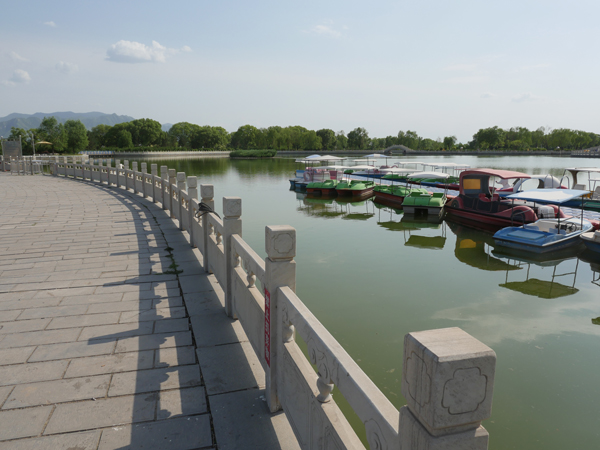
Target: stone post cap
(144, 167)
(280, 242)
(172, 173)
(134, 165)
(180, 176)
(192, 182)
(207, 191)
(232, 207)
(448, 379)
(153, 166)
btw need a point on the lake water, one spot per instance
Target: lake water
(370, 276)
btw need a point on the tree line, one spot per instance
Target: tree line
(73, 137)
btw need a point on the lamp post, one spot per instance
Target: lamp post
(559, 151)
(33, 145)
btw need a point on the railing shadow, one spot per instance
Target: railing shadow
(167, 392)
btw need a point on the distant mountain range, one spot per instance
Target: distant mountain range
(90, 120)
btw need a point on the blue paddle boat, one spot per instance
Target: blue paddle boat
(545, 235)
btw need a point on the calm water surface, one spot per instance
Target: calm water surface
(371, 276)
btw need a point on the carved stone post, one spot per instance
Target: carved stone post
(126, 164)
(164, 176)
(172, 181)
(181, 186)
(154, 171)
(448, 383)
(232, 224)
(144, 172)
(280, 270)
(192, 190)
(207, 192)
(134, 168)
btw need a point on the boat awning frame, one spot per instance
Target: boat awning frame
(557, 196)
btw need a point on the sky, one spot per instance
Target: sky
(439, 68)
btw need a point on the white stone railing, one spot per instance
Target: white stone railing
(447, 377)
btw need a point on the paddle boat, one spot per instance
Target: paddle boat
(591, 239)
(393, 195)
(355, 189)
(526, 184)
(325, 181)
(549, 234)
(425, 202)
(580, 182)
(479, 205)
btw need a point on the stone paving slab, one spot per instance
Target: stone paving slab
(59, 391)
(98, 347)
(73, 441)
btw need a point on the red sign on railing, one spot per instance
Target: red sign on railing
(268, 327)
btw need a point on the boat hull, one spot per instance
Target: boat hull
(389, 199)
(359, 194)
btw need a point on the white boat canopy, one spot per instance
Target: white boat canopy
(548, 195)
(362, 167)
(431, 175)
(397, 170)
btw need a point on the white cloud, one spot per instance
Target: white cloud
(16, 57)
(50, 24)
(487, 95)
(525, 97)
(136, 52)
(66, 67)
(20, 76)
(326, 30)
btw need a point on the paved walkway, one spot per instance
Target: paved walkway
(102, 344)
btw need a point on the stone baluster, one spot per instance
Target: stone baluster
(447, 381)
(232, 224)
(172, 181)
(144, 172)
(134, 169)
(181, 186)
(164, 176)
(192, 190)
(154, 171)
(126, 164)
(280, 270)
(207, 192)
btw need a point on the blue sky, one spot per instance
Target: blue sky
(434, 67)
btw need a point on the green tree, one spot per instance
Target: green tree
(182, 133)
(77, 139)
(144, 132)
(96, 136)
(210, 137)
(328, 139)
(358, 139)
(492, 137)
(341, 141)
(52, 131)
(449, 142)
(245, 138)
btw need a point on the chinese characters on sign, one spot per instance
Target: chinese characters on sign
(268, 327)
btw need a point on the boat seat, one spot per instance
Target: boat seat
(596, 194)
(580, 187)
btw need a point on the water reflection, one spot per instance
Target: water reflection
(547, 289)
(393, 219)
(474, 248)
(329, 208)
